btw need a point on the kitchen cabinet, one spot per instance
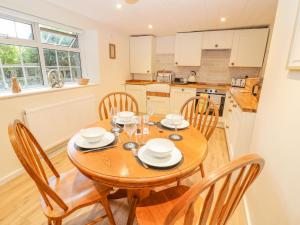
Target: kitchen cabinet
(238, 127)
(188, 47)
(139, 93)
(158, 105)
(213, 40)
(248, 47)
(141, 54)
(179, 96)
(294, 57)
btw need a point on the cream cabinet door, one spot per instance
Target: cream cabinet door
(158, 105)
(294, 58)
(188, 47)
(179, 96)
(141, 54)
(218, 39)
(248, 48)
(139, 93)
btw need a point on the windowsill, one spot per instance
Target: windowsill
(42, 90)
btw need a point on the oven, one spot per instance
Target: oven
(217, 96)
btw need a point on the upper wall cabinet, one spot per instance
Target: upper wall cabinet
(188, 48)
(217, 39)
(141, 54)
(248, 48)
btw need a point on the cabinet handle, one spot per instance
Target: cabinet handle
(176, 63)
(232, 63)
(229, 97)
(148, 98)
(231, 101)
(182, 89)
(234, 106)
(229, 110)
(227, 127)
(148, 71)
(216, 45)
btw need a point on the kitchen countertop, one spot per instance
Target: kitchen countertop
(195, 85)
(246, 101)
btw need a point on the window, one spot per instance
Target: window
(30, 59)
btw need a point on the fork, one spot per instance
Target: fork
(135, 154)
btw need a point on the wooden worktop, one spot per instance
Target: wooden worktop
(195, 85)
(246, 101)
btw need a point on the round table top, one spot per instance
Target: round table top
(117, 167)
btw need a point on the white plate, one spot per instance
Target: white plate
(183, 125)
(174, 158)
(107, 139)
(121, 121)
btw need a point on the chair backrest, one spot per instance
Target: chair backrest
(121, 100)
(30, 153)
(233, 180)
(202, 113)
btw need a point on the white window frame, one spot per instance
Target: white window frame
(36, 42)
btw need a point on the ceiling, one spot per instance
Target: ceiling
(171, 16)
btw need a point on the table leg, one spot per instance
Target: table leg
(133, 202)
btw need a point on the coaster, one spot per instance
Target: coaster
(175, 137)
(130, 145)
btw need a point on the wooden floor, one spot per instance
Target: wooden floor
(19, 199)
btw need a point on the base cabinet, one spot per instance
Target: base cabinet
(238, 127)
(158, 105)
(139, 93)
(179, 96)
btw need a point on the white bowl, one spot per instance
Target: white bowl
(93, 134)
(125, 116)
(160, 147)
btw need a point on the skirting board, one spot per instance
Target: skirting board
(51, 153)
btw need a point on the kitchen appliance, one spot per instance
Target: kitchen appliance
(217, 96)
(256, 90)
(180, 80)
(164, 76)
(238, 82)
(250, 82)
(192, 77)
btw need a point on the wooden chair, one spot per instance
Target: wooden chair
(212, 201)
(63, 193)
(202, 114)
(120, 100)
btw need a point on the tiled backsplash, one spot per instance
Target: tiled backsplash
(214, 67)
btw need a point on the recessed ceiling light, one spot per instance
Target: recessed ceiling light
(223, 19)
(119, 6)
(150, 26)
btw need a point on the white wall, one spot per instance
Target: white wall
(112, 74)
(274, 198)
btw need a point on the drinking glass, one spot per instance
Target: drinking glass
(176, 120)
(130, 128)
(113, 116)
(139, 129)
(150, 113)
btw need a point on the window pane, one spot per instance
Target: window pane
(65, 73)
(76, 73)
(14, 71)
(50, 57)
(55, 36)
(2, 86)
(75, 59)
(34, 76)
(10, 55)
(63, 58)
(24, 31)
(7, 28)
(30, 56)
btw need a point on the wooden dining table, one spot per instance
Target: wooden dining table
(118, 168)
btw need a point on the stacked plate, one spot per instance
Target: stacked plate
(124, 117)
(93, 138)
(168, 122)
(160, 153)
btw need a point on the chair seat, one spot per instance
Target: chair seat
(155, 209)
(75, 190)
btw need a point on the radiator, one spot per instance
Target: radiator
(54, 124)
